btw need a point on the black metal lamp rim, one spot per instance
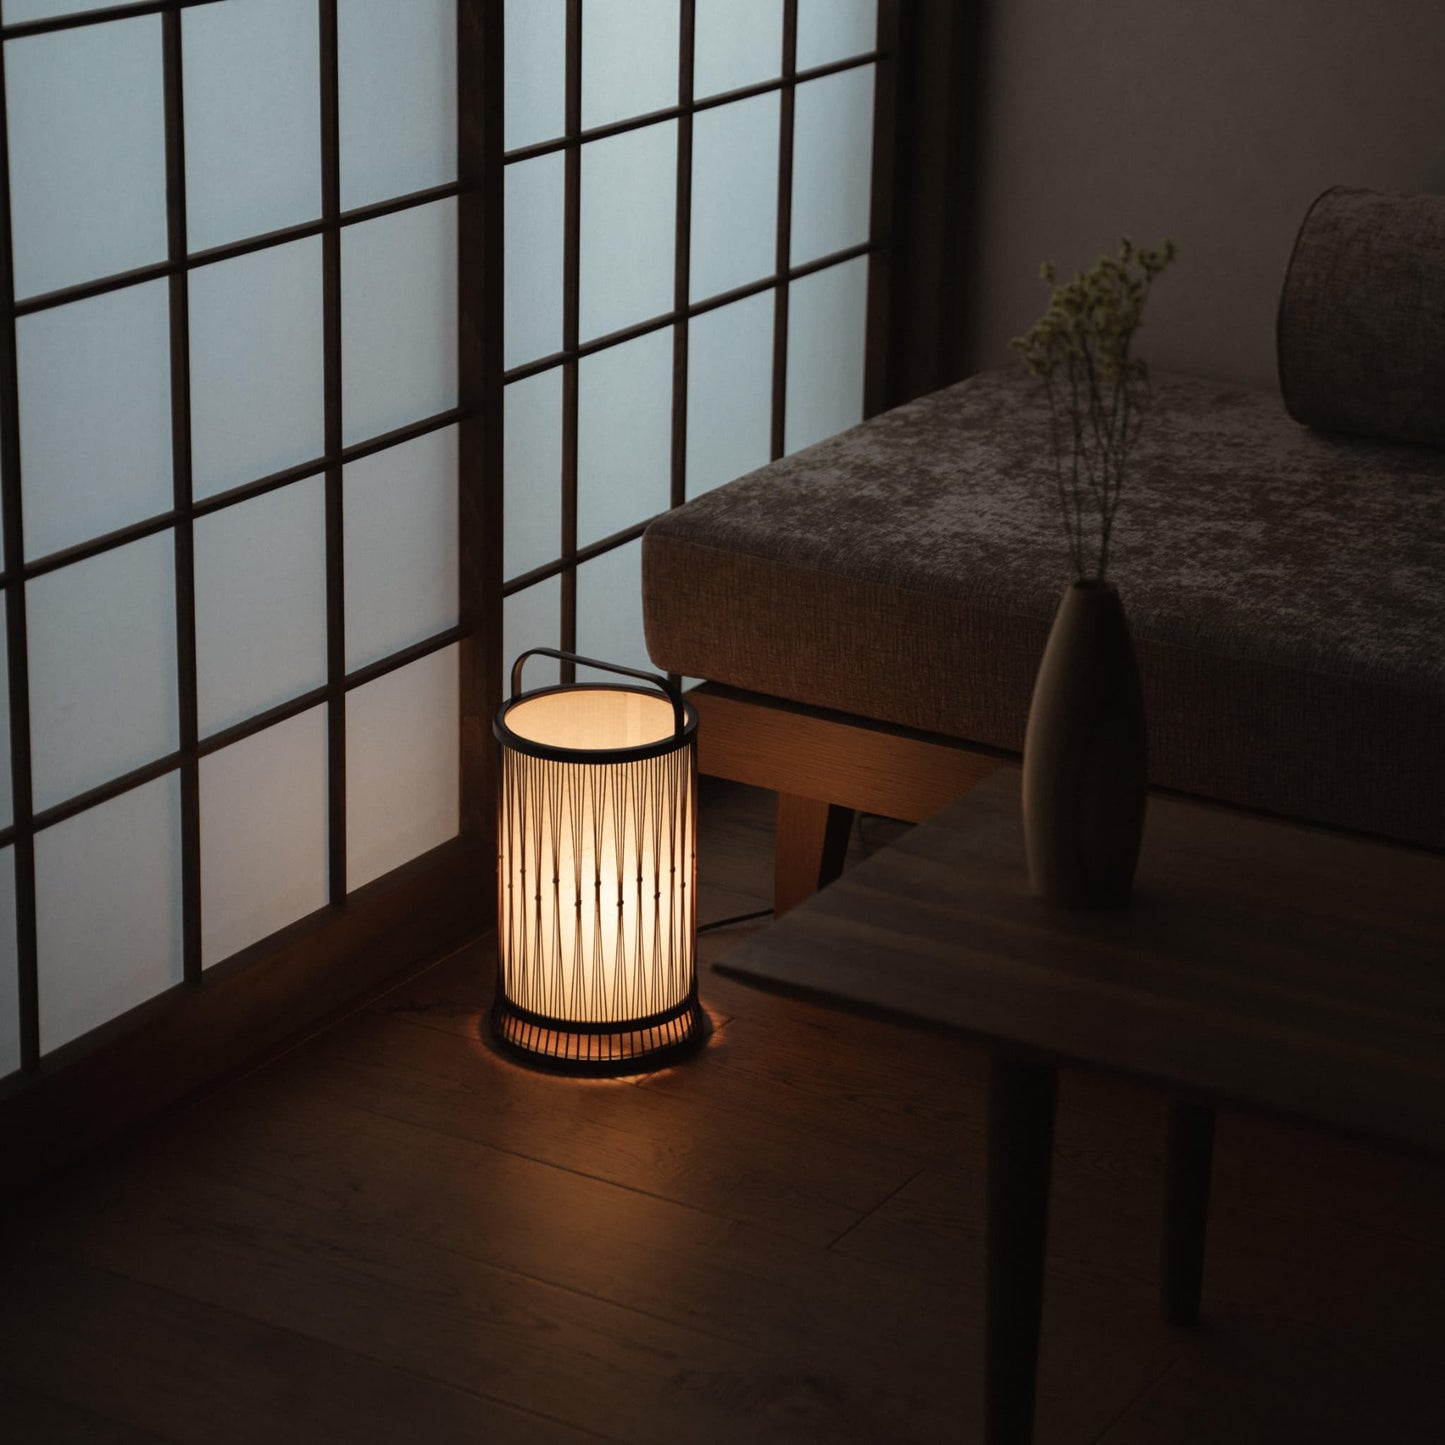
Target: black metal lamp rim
(684, 737)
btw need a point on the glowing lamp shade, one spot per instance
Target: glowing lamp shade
(596, 871)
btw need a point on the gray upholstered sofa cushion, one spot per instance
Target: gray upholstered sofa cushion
(1286, 590)
(1361, 335)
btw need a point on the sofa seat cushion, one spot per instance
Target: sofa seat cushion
(1286, 591)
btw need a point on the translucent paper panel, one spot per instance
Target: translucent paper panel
(87, 152)
(737, 43)
(734, 195)
(257, 381)
(398, 319)
(536, 66)
(835, 29)
(263, 834)
(102, 637)
(401, 766)
(400, 524)
(532, 619)
(532, 301)
(398, 97)
(108, 909)
(260, 603)
(9, 980)
(628, 188)
(827, 334)
(253, 130)
(17, 11)
(832, 163)
(729, 392)
(609, 607)
(95, 416)
(532, 468)
(624, 435)
(629, 58)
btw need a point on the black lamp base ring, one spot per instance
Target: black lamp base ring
(597, 1050)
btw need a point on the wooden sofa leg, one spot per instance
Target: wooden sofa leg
(811, 843)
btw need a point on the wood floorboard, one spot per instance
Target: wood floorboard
(38, 1420)
(188, 1371)
(802, 1316)
(696, 1267)
(765, 1172)
(1242, 1382)
(394, 1234)
(1323, 1180)
(384, 1296)
(1265, 1265)
(836, 1349)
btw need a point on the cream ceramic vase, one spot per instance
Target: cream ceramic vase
(1085, 767)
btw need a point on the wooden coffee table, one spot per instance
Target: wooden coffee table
(1262, 964)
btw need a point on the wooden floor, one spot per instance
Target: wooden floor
(390, 1234)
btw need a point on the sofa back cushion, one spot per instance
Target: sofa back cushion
(1361, 329)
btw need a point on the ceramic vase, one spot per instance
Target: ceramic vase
(1085, 768)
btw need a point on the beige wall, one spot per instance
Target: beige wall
(1211, 121)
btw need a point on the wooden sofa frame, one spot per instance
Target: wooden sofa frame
(825, 767)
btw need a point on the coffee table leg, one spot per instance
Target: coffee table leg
(1189, 1156)
(1020, 1151)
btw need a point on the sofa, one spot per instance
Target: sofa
(880, 601)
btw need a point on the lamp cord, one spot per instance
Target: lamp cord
(737, 918)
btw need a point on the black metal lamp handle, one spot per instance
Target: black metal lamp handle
(673, 694)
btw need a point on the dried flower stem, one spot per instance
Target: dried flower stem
(1087, 331)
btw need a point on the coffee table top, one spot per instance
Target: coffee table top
(1261, 962)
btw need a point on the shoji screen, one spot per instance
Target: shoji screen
(228, 452)
(690, 239)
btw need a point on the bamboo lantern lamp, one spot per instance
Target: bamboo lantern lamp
(596, 872)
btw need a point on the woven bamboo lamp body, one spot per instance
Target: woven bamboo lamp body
(596, 872)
